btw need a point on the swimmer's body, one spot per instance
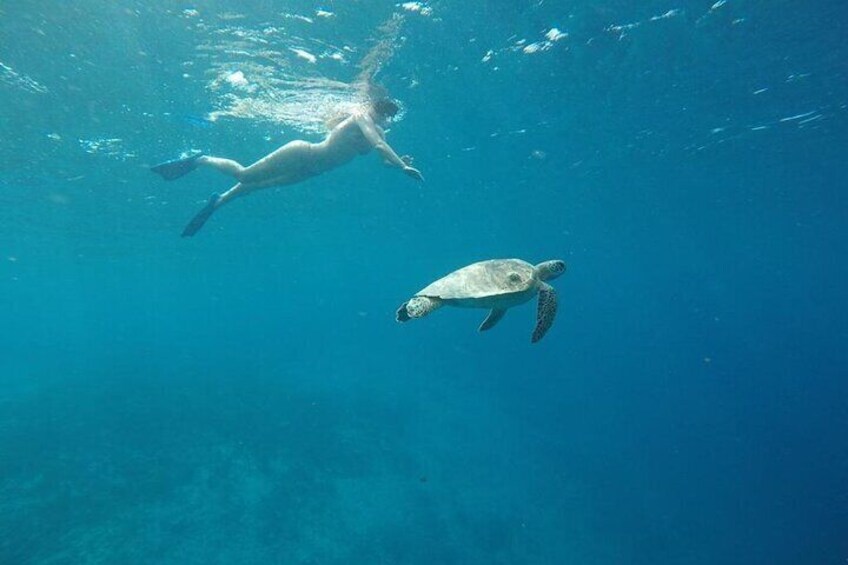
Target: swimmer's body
(297, 160)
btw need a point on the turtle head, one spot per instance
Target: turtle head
(550, 269)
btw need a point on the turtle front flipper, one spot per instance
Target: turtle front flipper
(416, 307)
(493, 318)
(545, 312)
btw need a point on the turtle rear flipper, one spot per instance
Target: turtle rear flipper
(493, 318)
(402, 315)
(416, 307)
(545, 312)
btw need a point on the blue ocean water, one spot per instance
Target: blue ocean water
(245, 396)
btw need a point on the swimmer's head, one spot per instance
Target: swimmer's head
(385, 108)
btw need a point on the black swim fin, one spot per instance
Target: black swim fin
(197, 222)
(171, 170)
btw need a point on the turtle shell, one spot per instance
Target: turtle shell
(495, 277)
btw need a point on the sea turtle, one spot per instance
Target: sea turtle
(497, 284)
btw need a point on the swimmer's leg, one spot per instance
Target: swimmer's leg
(171, 170)
(291, 163)
(226, 166)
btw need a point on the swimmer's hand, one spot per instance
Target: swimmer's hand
(412, 172)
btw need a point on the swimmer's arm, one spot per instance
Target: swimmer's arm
(374, 137)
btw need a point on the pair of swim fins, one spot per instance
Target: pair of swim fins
(176, 168)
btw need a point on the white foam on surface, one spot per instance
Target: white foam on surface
(305, 55)
(21, 81)
(237, 79)
(797, 116)
(554, 34)
(419, 7)
(298, 17)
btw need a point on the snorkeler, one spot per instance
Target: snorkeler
(297, 160)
